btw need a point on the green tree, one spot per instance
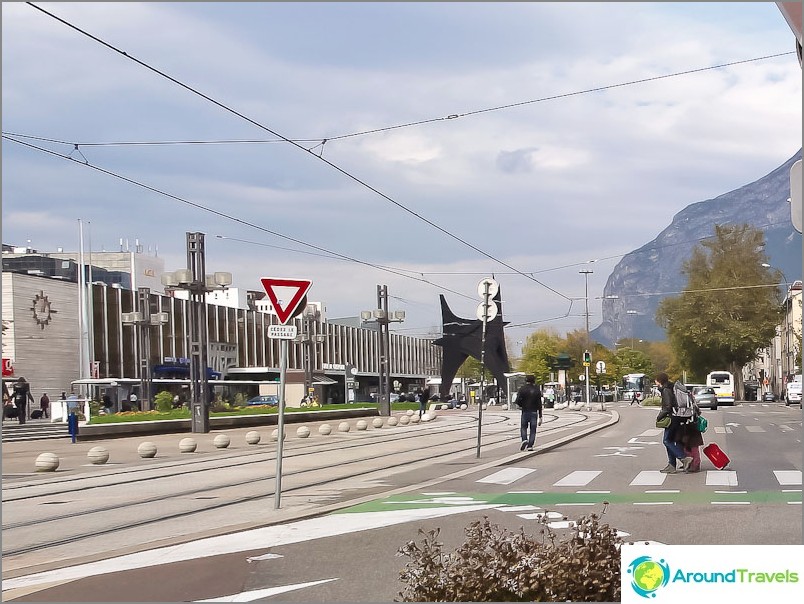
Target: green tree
(539, 347)
(730, 307)
(163, 401)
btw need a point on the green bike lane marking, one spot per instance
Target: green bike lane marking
(429, 500)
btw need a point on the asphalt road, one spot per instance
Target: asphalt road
(348, 553)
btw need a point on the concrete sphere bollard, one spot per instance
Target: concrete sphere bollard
(428, 417)
(409, 412)
(188, 445)
(98, 455)
(47, 462)
(275, 435)
(325, 429)
(464, 406)
(393, 421)
(147, 449)
(361, 424)
(415, 419)
(252, 437)
(221, 441)
(303, 432)
(377, 422)
(404, 420)
(344, 427)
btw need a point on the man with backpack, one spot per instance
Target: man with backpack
(670, 439)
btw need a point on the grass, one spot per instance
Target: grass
(184, 413)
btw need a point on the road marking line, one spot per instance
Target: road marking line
(793, 503)
(576, 504)
(668, 491)
(791, 490)
(731, 492)
(517, 508)
(653, 503)
(788, 477)
(730, 502)
(579, 478)
(507, 476)
(595, 492)
(525, 492)
(251, 596)
(755, 429)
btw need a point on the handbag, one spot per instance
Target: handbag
(702, 424)
(664, 422)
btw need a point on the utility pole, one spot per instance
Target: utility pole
(586, 274)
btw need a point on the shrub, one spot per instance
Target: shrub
(652, 401)
(495, 565)
(164, 401)
(240, 400)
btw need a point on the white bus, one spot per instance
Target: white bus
(723, 384)
(634, 385)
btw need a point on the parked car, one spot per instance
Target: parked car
(264, 399)
(768, 397)
(792, 393)
(704, 396)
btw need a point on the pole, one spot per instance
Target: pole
(82, 303)
(384, 385)
(280, 432)
(482, 365)
(144, 327)
(199, 383)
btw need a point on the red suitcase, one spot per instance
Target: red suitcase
(716, 455)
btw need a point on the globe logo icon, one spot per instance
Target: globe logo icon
(648, 575)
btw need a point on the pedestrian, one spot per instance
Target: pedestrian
(529, 398)
(675, 451)
(44, 405)
(21, 396)
(421, 398)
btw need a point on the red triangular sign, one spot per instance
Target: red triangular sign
(287, 311)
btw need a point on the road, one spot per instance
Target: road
(393, 488)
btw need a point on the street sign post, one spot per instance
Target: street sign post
(486, 311)
(297, 291)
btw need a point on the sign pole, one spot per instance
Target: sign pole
(280, 437)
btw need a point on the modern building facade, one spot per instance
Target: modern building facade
(41, 341)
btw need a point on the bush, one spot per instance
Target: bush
(240, 400)
(163, 401)
(495, 565)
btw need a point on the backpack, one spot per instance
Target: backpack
(684, 404)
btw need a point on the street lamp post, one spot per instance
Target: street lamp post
(383, 318)
(194, 281)
(586, 273)
(311, 316)
(143, 320)
(633, 336)
(788, 306)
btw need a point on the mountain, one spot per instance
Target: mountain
(656, 266)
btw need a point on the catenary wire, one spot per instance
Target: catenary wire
(322, 140)
(230, 217)
(300, 147)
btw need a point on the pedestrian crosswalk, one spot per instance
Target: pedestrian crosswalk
(643, 478)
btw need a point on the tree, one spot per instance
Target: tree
(537, 354)
(730, 307)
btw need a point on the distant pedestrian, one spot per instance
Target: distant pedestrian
(44, 405)
(21, 396)
(421, 398)
(529, 398)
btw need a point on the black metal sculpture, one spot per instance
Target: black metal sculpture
(462, 338)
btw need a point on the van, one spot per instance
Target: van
(792, 393)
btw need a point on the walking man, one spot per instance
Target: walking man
(44, 405)
(529, 398)
(22, 394)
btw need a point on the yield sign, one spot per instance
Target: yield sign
(286, 311)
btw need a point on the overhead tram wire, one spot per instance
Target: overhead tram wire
(300, 147)
(321, 140)
(232, 218)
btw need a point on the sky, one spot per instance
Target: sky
(423, 146)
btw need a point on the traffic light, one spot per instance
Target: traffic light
(587, 358)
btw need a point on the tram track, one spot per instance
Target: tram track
(20, 536)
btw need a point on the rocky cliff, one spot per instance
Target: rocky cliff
(656, 266)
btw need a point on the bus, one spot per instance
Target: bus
(723, 384)
(634, 384)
